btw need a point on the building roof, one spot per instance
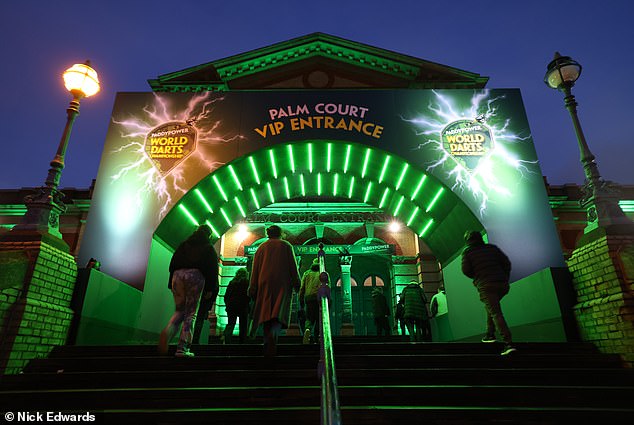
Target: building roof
(318, 61)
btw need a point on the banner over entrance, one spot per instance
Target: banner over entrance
(476, 143)
(386, 249)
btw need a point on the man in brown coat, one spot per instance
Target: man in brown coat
(274, 275)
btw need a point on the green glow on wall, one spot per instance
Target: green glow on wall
(420, 184)
(188, 214)
(301, 182)
(213, 229)
(255, 170)
(367, 193)
(365, 162)
(219, 186)
(435, 199)
(270, 189)
(328, 156)
(286, 188)
(345, 165)
(385, 164)
(235, 177)
(351, 187)
(255, 199)
(335, 184)
(384, 197)
(224, 214)
(398, 206)
(400, 179)
(273, 166)
(203, 200)
(292, 158)
(240, 207)
(310, 157)
(411, 217)
(427, 226)
(319, 184)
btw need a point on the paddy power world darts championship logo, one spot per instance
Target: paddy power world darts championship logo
(467, 141)
(169, 144)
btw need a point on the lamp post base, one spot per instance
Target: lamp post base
(601, 202)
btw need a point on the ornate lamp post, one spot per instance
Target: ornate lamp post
(599, 198)
(45, 206)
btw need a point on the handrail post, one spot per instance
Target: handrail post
(330, 411)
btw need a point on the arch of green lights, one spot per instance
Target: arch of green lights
(330, 169)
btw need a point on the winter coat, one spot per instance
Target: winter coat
(415, 302)
(274, 275)
(236, 297)
(485, 263)
(197, 252)
(310, 285)
(379, 305)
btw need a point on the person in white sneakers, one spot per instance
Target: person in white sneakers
(193, 275)
(490, 270)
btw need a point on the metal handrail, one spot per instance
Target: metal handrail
(330, 411)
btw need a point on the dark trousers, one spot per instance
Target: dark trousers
(271, 331)
(491, 294)
(311, 304)
(403, 326)
(232, 317)
(201, 318)
(382, 325)
(419, 329)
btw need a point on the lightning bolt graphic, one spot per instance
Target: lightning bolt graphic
(140, 168)
(480, 181)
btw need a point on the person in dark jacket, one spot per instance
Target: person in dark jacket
(193, 273)
(416, 317)
(237, 305)
(381, 312)
(400, 316)
(490, 270)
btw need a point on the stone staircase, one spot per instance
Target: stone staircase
(387, 382)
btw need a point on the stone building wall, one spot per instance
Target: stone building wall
(35, 305)
(603, 275)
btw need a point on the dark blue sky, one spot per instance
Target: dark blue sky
(131, 41)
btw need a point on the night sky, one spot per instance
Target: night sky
(129, 42)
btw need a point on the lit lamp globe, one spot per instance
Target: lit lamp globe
(562, 72)
(81, 80)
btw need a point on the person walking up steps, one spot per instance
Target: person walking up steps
(274, 275)
(490, 270)
(193, 273)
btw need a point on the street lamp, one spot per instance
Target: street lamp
(599, 197)
(45, 206)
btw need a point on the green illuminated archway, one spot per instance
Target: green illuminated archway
(320, 168)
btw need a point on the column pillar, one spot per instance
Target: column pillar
(347, 327)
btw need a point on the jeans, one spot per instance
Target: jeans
(491, 294)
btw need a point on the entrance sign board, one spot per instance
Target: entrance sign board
(476, 143)
(386, 249)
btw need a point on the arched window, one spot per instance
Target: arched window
(352, 282)
(377, 281)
